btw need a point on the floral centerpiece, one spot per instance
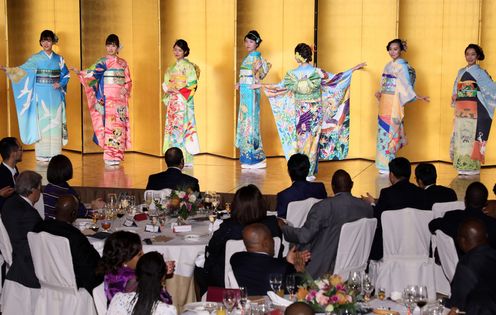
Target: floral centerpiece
(328, 294)
(180, 203)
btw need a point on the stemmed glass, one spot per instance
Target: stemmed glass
(367, 287)
(229, 299)
(208, 199)
(215, 200)
(355, 282)
(243, 299)
(290, 285)
(112, 200)
(409, 298)
(420, 294)
(275, 280)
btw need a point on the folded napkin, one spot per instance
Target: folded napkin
(215, 226)
(140, 217)
(200, 260)
(276, 299)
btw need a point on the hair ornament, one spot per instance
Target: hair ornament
(404, 44)
(300, 57)
(257, 38)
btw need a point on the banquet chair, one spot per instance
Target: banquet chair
(234, 246)
(297, 215)
(440, 208)
(163, 192)
(100, 299)
(355, 242)
(406, 239)
(53, 267)
(447, 254)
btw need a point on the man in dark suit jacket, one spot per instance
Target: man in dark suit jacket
(84, 256)
(475, 271)
(300, 189)
(11, 152)
(320, 232)
(426, 176)
(20, 217)
(253, 268)
(173, 177)
(475, 202)
(401, 194)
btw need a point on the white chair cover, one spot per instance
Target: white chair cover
(40, 207)
(440, 208)
(406, 259)
(298, 211)
(5, 245)
(53, 267)
(297, 215)
(447, 253)
(100, 299)
(234, 246)
(17, 299)
(233, 283)
(355, 242)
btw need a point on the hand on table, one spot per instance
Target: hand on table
(6, 191)
(369, 199)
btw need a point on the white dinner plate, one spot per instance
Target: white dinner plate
(201, 306)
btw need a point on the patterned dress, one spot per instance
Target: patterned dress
(180, 123)
(396, 91)
(109, 109)
(41, 107)
(248, 138)
(312, 112)
(474, 109)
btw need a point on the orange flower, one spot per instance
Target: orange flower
(301, 294)
(341, 298)
(175, 202)
(335, 280)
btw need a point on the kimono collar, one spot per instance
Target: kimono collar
(49, 56)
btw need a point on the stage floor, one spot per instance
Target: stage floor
(225, 175)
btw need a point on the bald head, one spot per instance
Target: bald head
(471, 234)
(66, 208)
(299, 308)
(341, 182)
(257, 238)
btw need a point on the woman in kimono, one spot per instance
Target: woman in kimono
(253, 69)
(396, 91)
(180, 83)
(311, 110)
(107, 85)
(474, 100)
(39, 87)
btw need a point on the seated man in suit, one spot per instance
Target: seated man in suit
(84, 256)
(300, 189)
(20, 217)
(475, 203)
(475, 271)
(426, 176)
(401, 194)
(173, 177)
(253, 267)
(11, 152)
(320, 232)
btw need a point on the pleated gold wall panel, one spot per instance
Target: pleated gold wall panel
(351, 31)
(282, 24)
(4, 108)
(460, 27)
(488, 43)
(26, 20)
(421, 24)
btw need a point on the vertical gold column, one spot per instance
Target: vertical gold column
(26, 20)
(4, 115)
(488, 33)
(421, 24)
(460, 27)
(351, 31)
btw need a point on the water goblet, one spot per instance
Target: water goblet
(275, 280)
(216, 200)
(243, 298)
(367, 287)
(112, 200)
(290, 285)
(229, 299)
(355, 282)
(148, 198)
(408, 297)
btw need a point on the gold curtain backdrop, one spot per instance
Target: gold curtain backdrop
(349, 31)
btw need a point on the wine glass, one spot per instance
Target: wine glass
(367, 287)
(208, 199)
(355, 282)
(290, 285)
(409, 298)
(112, 200)
(243, 298)
(215, 200)
(275, 280)
(106, 224)
(420, 293)
(148, 198)
(229, 299)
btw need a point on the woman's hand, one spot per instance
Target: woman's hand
(359, 66)
(256, 86)
(6, 191)
(378, 95)
(56, 85)
(76, 70)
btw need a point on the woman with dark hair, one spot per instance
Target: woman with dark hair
(59, 172)
(311, 109)
(39, 88)
(474, 100)
(121, 252)
(398, 79)
(107, 85)
(180, 83)
(150, 274)
(248, 206)
(253, 69)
